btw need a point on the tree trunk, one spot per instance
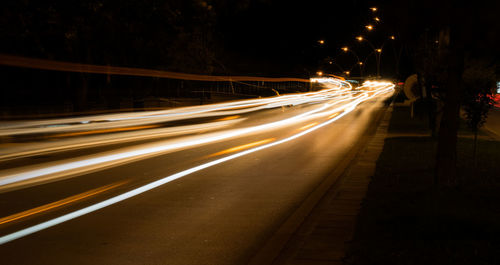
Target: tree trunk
(475, 149)
(446, 171)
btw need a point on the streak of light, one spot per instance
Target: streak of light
(229, 118)
(160, 182)
(59, 203)
(18, 61)
(141, 118)
(92, 141)
(95, 162)
(308, 126)
(333, 115)
(156, 149)
(242, 147)
(107, 130)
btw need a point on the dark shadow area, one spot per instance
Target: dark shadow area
(405, 219)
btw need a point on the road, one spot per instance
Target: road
(202, 185)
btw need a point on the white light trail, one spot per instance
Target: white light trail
(20, 176)
(33, 229)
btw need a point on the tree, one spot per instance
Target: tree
(479, 81)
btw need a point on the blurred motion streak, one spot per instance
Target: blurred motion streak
(60, 203)
(106, 131)
(18, 61)
(328, 102)
(308, 126)
(333, 115)
(229, 118)
(322, 112)
(242, 147)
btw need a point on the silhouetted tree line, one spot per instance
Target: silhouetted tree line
(173, 35)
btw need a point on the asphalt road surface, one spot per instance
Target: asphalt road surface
(140, 206)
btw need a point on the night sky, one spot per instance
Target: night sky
(253, 37)
(285, 33)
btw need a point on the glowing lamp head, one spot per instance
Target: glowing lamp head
(374, 9)
(321, 41)
(345, 48)
(369, 27)
(377, 19)
(319, 73)
(330, 62)
(359, 38)
(347, 72)
(360, 63)
(378, 50)
(392, 37)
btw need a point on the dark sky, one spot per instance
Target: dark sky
(286, 32)
(244, 36)
(256, 37)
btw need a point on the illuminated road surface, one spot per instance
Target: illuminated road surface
(200, 185)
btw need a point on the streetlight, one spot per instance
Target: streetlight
(392, 37)
(374, 9)
(369, 27)
(331, 62)
(319, 73)
(346, 49)
(360, 63)
(377, 19)
(321, 42)
(378, 51)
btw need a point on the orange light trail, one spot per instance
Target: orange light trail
(25, 62)
(242, 147)
(308, 126)
(333, 115)
(59, 203)
(229, 118)
(334, 105)
(106, 131)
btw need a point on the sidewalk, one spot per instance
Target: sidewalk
(324, 235)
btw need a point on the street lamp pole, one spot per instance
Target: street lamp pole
(359, 62)
(378, 52)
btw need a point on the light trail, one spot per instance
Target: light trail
(33, 229)
(33, 63)
(93, 141)
(59, 203)
(142, 118)
(105, 131)
(307, 126)
(242, 147)
(20, 176)
(229, 118)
